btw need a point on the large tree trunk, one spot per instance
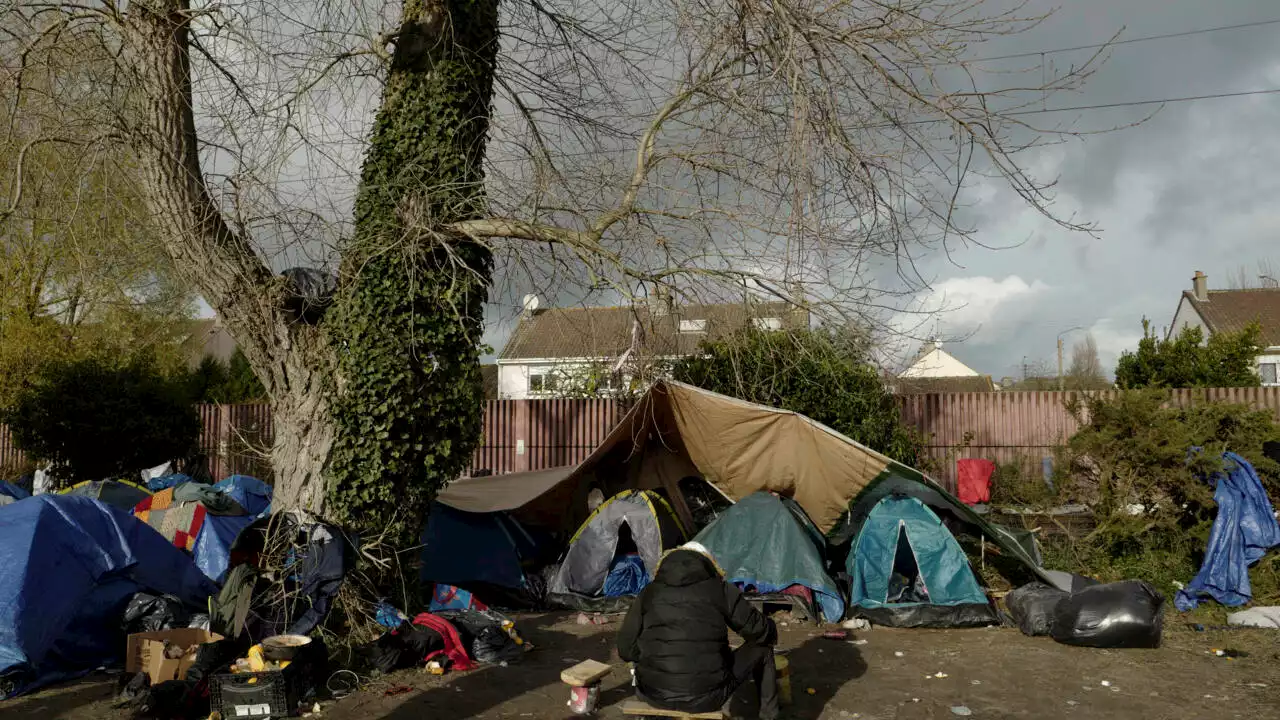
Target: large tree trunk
(290, 358)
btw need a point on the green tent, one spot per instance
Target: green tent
(908, 570)
(767, 544)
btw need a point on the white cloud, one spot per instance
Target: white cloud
(967, 305)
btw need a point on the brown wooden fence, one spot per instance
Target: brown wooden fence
(536, 434)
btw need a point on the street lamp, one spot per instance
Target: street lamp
(1062, 383)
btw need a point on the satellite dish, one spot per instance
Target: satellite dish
(529, 303)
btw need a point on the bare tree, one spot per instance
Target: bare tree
(1086, 371)
(1265, 277)
(808, 150)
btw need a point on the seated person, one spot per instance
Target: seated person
(677, 635)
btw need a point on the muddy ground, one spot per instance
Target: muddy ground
(995, 673)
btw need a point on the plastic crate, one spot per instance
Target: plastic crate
(252, 696)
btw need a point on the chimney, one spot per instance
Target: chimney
(1200, 286)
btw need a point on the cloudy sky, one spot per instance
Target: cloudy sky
(1193, 188)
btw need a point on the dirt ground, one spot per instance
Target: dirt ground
(995, 673)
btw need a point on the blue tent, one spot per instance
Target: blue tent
(908, 570)
(767, 542)
(9, 489)
(464, 548)
(68, 565)
(164, 482)
(212, 551)
(1243, 532)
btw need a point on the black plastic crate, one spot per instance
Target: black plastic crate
(273, 694)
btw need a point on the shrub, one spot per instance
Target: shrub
(93, 420)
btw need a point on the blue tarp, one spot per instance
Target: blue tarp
(626, 577)
(1243, 532)
(68, 565)
(164, 482)
(252, 494)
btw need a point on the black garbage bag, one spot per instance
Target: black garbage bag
(1034, 606)
(1124, 614)
(483, 635)
(148, 613)
(313, 292)
(216, 657)
(406, 646)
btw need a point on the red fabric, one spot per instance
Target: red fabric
(452, 641)
(975, 480)
(799, 591)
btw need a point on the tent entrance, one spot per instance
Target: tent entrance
(906, 583)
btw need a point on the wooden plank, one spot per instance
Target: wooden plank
(585, 673)
(636, 707)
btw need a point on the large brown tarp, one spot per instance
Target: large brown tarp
(676, 431)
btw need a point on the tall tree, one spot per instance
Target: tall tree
(1187, 360)
(1085, 371)
(804, 148)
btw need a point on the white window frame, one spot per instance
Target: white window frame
(690, 326)
(1275, 371)
(543, 376)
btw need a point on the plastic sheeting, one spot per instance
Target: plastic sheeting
(974, 484)
(68, 567)
(626, 577)
(460, 548)
(1033, 607)
(164, 482)
(252, 494)
(768, 542)
(10, 490)
(1243, 532)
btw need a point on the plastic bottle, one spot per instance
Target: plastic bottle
(510, 629)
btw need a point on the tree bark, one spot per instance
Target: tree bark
(291, 358)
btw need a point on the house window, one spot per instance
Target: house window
(1268, 373)
(693, 326)
(544, 382)
(768, 323)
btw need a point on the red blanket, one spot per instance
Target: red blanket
(453, 648)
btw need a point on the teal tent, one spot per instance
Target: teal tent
(766, 544)
(908, 570)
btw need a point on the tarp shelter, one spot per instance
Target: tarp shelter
(908, 570)
(209, 519)
(68, 566)
(652, 526)
(477, 550)
(116, 493)
(1244, 530)
(767, 543)
(10, 493)
(677, 430)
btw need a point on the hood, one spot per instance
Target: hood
(685, 567)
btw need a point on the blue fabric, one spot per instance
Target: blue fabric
(626, 577)
(164, 482)
(13, 491)
(448, 597)
(768, 541)
(252, 494)
(942, 564)
(389, 616)
(67, 566)
(212, 552)
(1243, 532)
(462, 547)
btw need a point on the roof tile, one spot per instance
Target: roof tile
(1232, 310)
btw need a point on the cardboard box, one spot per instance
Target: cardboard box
(145, 652)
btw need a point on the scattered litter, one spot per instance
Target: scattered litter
(782, 624)
(1072, 703)
(1257, 685)
(961, 710)
(574, 661)
(819, 649)
(975, 682)
(940, 675)
(915, 699)
(811, 691)
(863, 641)
(1105, 683)
(856, 624)
(1115, 689)
(836, 635)
(397, 690)
(1229, 653)
(898, 653)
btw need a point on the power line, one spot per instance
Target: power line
(1145, 38)
(1134, 103)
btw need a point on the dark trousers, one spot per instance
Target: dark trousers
(750, 662)
(756, 662)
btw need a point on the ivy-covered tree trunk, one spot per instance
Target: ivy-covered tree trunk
(408, 321)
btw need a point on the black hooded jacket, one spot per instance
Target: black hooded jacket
(677, 634)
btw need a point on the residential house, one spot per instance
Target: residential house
(553, 349)
(1215, 311)
(934, 370)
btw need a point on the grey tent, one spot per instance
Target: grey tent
(583, 575)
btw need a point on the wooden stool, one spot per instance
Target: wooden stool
(638, 707)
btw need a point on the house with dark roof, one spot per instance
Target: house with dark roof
(552, 350)
(1215, 311)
